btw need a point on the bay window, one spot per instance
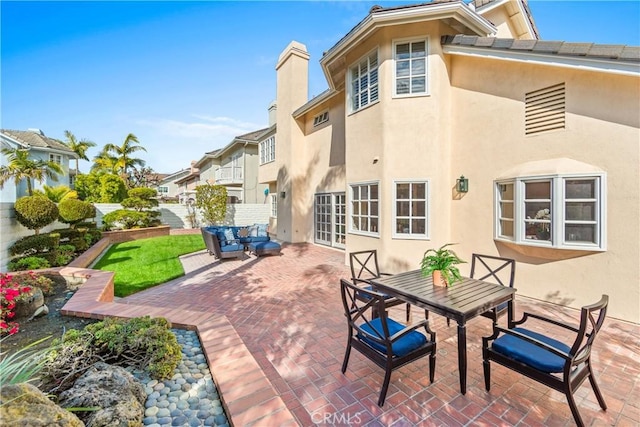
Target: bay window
(410, 58)
(564, 211)
(363, 82)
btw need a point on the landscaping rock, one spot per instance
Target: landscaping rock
(111, 388)
(28, 303)
(25, 405)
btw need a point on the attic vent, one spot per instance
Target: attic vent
(321, 118)
(544, 109)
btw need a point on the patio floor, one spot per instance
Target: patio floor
(275, 335)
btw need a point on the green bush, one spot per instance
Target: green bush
(31, 245)
(141, 342)
(112, 189)
(141, 198)
(127, 219)
(87, 224)
(93, 236)
(35, 212)
(81, 244)
(212, 201)
(73, 211)
(28, 263)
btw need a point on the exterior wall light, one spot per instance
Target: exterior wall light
(283, 194)
(266, 191)
(462, 184)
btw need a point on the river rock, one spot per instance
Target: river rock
(119, 395)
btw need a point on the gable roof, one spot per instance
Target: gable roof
(514, 8)
(619, 59)
(37, 139)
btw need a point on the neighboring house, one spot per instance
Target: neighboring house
(545, 132)
(167, 188)
(187, 184)
(40, 147)
(235, 167)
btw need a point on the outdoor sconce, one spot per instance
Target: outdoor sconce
(462, 184)
(283, 194)
(266, 192)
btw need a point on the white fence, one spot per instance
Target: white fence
(174, 215)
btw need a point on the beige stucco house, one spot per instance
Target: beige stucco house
(545, 133)
(234, 166)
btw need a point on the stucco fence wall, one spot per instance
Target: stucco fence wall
(173, 215)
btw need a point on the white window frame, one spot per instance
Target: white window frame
(268, 150)
(411, 76)
(163, 189)
(274, 205)
(55, 158)
(321, 118)
(558, 212)
(373, 97)
(411, 236)
(369, 214)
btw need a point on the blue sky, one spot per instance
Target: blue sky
(186, 77)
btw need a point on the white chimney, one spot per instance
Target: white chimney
(273, 107)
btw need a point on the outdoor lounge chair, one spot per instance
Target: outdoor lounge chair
(219, 246)
(364, 267)
(546, 360)
(384, 341)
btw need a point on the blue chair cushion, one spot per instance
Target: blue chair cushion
(401, 347)
(232, 247)
(530, 354)
(221, 238)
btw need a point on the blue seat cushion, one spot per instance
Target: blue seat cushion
(262, 246)
(221, 238)
(260, 239)
(530, 354)
(401, 347)
(232, 247)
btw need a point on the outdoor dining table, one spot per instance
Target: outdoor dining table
(461, 301)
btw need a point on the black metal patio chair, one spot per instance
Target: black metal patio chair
(386, 342)
(558, 365)
(364, 267)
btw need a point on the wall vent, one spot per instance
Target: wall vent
(545, 109)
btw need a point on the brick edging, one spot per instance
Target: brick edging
(247, 395)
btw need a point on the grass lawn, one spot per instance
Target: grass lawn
(144, 263)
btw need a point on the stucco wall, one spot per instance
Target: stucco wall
(602, 122)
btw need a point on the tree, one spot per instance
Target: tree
(212, 201)
(141, 198)
(57, 194)
(143, 177)
(123, 154)
(78, 147)
(104, 161)
(21, 167)
(73, 211)
(35, 212)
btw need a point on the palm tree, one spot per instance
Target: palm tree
(123, 153)
(78, 147)
(104, 161)
(20, 167)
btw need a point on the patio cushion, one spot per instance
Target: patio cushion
(228, 234)
(260, 239)
(262, 230)
(221, 237)
(530, 354)
(253, 231)
(401, 347)
(232, 247)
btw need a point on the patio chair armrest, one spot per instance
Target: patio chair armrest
(410, 328)
(357, 280)
(386, 274)
(527, 315)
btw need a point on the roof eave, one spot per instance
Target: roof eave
(327, 95)
(530, 24)
(429, 12)
(576, 62)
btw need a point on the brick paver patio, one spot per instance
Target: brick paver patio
(274, 334)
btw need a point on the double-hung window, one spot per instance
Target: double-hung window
(55, 158)
(364, 212)
(363, 82)
(410, 214)
(564, 211)
(410, 58)
(268, 150)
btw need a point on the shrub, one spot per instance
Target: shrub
(142, 342)
(126, 219)
(29, 263)
(93, 235)
(72, 211)
(64, 254)
(35, 212)
(141, 198)
(112, 189)
(23, 365)
(34, 280)
(30, 245)
(11, 288)
(212, 201)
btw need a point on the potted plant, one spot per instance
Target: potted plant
(441, 264)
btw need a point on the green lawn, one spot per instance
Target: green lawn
(144, 263)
